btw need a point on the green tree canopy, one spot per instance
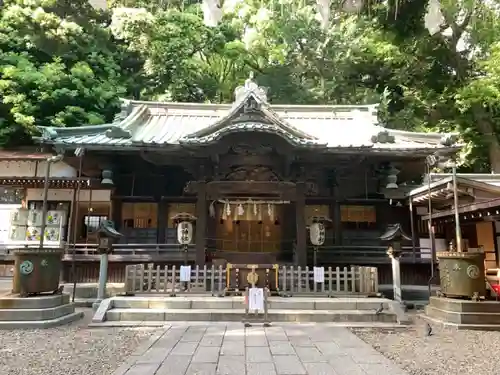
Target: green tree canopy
(65, 64)
(59, 66)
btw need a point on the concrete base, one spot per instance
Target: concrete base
(88, 291)
(206, 308)
(36, 312)
(464, 314)
(417, 294)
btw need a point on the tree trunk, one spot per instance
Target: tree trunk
(494, 154)
(486, 129)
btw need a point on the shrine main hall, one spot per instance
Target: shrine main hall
(253, 176)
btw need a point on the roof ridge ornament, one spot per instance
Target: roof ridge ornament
(124, 111)
(449, 139)
(115, 132)
(250, 87)
(383, 137)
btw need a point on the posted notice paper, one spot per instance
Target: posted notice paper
(185, 273)
(256, 299)
(319, 274)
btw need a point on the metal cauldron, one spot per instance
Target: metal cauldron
(36, 271)
(462, 274)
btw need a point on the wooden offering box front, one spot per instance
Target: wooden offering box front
(241, 276)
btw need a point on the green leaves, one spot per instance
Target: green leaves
(58, 67)
(63, 63)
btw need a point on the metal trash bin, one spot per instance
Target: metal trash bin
(461, 274)
(36, 271)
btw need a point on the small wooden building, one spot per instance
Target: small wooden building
(254, 174)
(478, 208)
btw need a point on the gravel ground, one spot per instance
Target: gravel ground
(446, 352)
(68, 350)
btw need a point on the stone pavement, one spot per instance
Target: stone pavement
(231, 349)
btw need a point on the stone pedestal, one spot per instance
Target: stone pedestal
(396, 279)
(36, 312)
(464, 314)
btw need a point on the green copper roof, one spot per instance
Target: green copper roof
(157, 124)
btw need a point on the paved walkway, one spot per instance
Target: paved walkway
(231, 349)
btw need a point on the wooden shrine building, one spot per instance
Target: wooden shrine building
(254, 175)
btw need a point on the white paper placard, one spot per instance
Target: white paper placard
(255, 299)
(185, 273)
(319, 274)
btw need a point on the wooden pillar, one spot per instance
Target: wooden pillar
(300, 220)
(116, 213)
(413, 231)
(201, 223)
(162, 221)
(336, 222)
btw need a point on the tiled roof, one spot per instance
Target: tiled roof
(22, 155)
(154, 123)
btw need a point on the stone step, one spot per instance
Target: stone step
(24, 315)
(474, 318)
(464, 306)
(41, 324)
(231, 303)
(150, 314)
(35, 302)
(125, 324)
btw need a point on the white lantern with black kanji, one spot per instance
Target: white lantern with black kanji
(184, 232)
(317, 234)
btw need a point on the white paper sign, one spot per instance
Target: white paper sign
(319, 274)
(256, 299)
(185, 273)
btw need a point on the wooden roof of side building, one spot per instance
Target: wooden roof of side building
(142, 124)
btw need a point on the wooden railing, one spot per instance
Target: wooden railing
(121, 252)
(365, 254)
(140, 252)
(149, 278)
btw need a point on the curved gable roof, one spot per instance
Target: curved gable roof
(159, 124)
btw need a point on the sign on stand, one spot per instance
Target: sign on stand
(184, 280)
(185, 274)
(319, 275)
(256, 301)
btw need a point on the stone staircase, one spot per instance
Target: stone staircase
(206, 308)
(464, 314)
(36, 312)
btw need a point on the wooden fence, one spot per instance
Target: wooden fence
(142, 278)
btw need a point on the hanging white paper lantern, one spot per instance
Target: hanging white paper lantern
(212, 12)
(323, 7)
(434, 18)
(317, 234)
(241, 211)
(184, 232)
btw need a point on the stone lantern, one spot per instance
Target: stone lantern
(394, 236)
(107, 236)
